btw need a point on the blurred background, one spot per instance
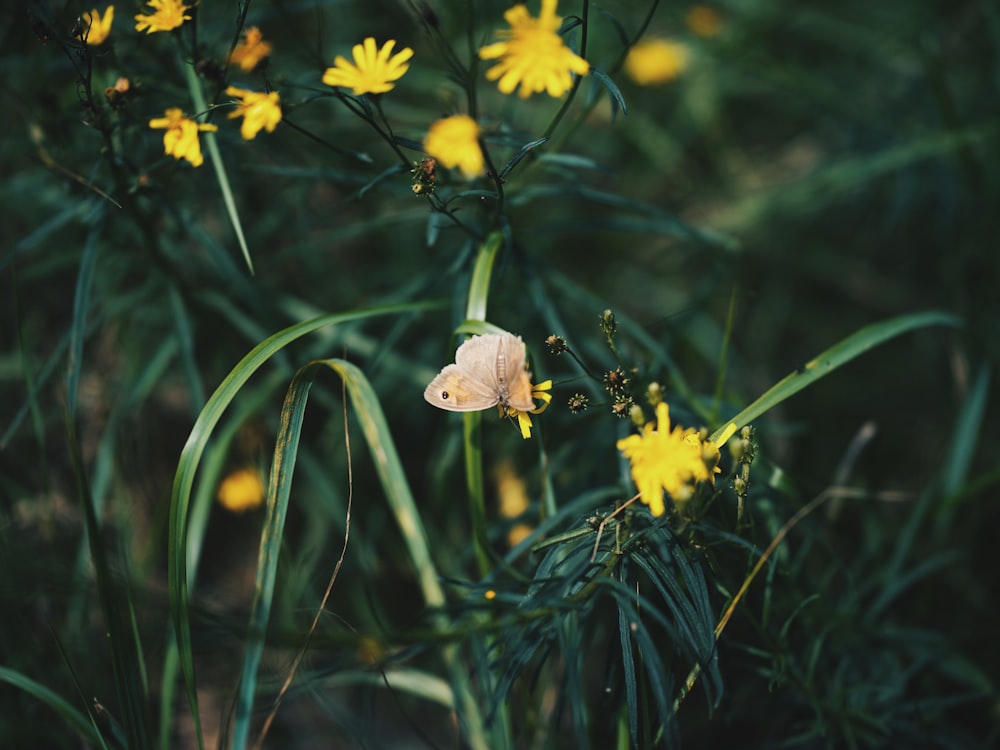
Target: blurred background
(807, 171)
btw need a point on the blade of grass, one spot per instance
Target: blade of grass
(124, 660)
(839, 354)
(475, 310)
(190, 459)
(393, 480)
(212, 145)
(78, 720)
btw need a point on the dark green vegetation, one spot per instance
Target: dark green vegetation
(813, 172)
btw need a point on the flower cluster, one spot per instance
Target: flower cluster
(260, 111)
(531, 57)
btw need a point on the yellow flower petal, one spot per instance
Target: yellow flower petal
(373, 70)
(241, 490)
(454, 142)
(656, 61)
(532, 55)
(251, 50)
(181, 138)
(166, 16)
(96, 27)
(258, 110)
(665, 460)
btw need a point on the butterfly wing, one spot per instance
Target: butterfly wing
(455, 389)
(515, 380)
(488, 370)
(471, 383)
(519, 392)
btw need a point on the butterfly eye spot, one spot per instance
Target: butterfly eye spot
(444, 395)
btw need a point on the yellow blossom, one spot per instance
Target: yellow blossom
(454, 142)
(518, 533)
(656, 61)
(373, 70)
(166, 15)
(512, 493)
(258, 110)
(96, 28)
(704, 21)
(181, 138)
(251, 50)
(668, 460)
(241, 490)
(539, 392)
(532, 55)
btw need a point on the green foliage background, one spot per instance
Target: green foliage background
(815, 170)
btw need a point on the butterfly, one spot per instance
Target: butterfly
(488, 370)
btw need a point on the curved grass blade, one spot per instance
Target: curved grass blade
(190, 459)
(479, 286)
(389, 469)
(853, 346)
(79, 721)
(475, 310)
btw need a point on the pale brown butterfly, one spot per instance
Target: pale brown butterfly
(488, 370)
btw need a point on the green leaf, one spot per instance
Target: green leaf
(524, 151)
(78, 720)
(190, 459)
(212, 145)
(837, 355)
(617, 99)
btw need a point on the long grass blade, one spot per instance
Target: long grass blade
(839, 354)
(212, 145)
(78, 720)
(190, 460)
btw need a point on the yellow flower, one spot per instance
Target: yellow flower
(96, 28)
(512, 493)
(672, 460)
(454, 142)
(258, 110)
(241, 490)
(167, 15)
(539, 392)
(251, 50)
(518, 533)
(704, 21)
(373, 70)
(532, 54)
(656, 61)
(181, 138)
